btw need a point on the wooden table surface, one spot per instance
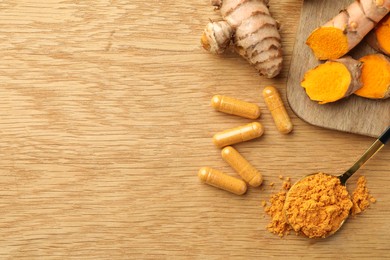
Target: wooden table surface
(105, 121)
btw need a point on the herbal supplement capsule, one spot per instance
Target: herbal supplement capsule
(238, 134)
(221, 180)
(278, 111)
(236, 107)
(242, 166)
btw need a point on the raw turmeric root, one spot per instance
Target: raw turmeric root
(333, 80)
(216, 37)
(379, 39)
(338, 36)
(375, 77)
(249, 26)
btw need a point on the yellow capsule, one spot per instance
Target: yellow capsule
(236, 107)
(242, 166)
(221, 180)
(238, 134)
(278, 111)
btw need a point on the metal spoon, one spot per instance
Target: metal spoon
(370, 152)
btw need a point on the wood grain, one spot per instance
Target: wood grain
(105, 119)
(353, 114)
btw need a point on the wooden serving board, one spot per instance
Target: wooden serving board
(354, 114)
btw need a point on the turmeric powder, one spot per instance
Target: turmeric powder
(361, 197)
(278, 224)
(342, 33)
(375, 77)
(379, 38)
(333, 80)
(317, 205)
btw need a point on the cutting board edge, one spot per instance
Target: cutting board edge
(327, 127)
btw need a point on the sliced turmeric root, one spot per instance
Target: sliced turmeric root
(342, 33)
(375, 77)
(328, 43)
(333, 80)
(379, 39)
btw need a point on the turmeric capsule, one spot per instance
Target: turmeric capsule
(238, 134)
(221, 180)
(242, 166)
(236, 107)
(278, 111)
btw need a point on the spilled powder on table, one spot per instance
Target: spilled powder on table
(361, 199)
(278, 224)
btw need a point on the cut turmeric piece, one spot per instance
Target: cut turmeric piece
(342, 33)
(333, 80)
(383, 35)
(328, 43)
(375, 77)
(379, 39)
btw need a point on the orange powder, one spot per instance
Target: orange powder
(278, 224)
(317, 205)
(361, 197)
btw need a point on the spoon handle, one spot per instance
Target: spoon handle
(384, 138)
(374, 148)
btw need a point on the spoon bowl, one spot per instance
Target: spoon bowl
(370, 152)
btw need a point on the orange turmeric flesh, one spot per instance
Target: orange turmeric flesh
(327, 83)
(383, 35)
(317, 205)
(344, 31)
(333, 80)
(375, 77)
(328, 43)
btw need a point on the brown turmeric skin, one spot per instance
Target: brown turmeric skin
(249, 26)
(375, 77)
(317, 205)
(333, 80)
(342, 33)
